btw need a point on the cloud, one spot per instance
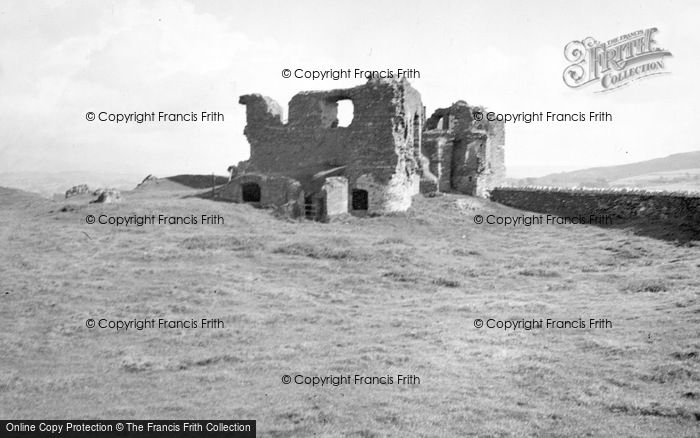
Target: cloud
(143, 57)
(60, 60)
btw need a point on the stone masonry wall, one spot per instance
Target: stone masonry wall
(382, 140)
(621, 205)
(390, 150)
(274, 190)
(467, 155)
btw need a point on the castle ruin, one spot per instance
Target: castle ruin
(315, 168)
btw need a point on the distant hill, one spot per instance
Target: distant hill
(12, 194)
(199, 181)
(49, 183)
(13, 198)
(179, 182)
(675, 172)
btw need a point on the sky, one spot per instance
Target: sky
(62, 59)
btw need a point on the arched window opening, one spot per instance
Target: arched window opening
(346, 112)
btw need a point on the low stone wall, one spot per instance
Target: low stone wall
(619, 204)
(275, 191)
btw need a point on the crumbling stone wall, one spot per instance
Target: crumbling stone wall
(466, 155)
(79, 190)
(274, 190)
(387, 154)
(383, 140)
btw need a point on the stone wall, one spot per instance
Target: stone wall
(274, 190)
(78, 190)
(621, 205)
(382, 140)
(388, 153)
(465, 154)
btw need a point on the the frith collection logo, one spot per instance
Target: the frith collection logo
(615, 63)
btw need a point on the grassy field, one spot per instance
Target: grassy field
(378, 296)
(676, 180)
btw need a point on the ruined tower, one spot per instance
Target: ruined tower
(466, 154)
(311, 166)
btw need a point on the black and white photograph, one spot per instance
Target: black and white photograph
(365, 219)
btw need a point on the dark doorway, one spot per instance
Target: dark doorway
(251, 192)
(314, 207)
(360, 199)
